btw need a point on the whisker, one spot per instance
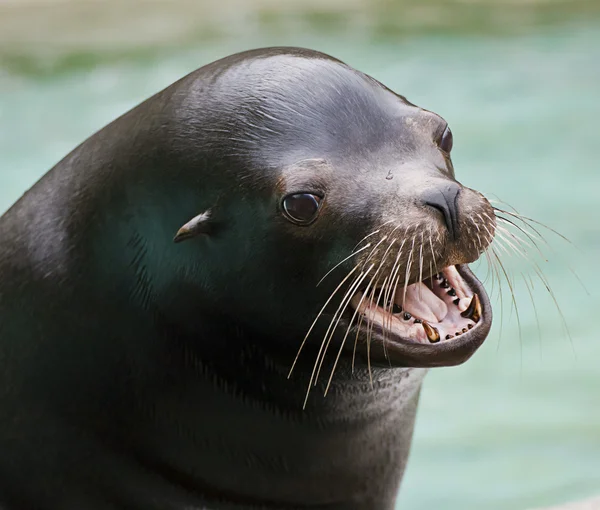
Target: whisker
(396, 277)
(544, 280)
(408, 264)
(382, 240)
(421, 267)
(486, 229)
(338, 315)
(377, 272)
(340, 263)
(518, 238)
(508, 274)
(317, 318)
(393, 281)
(372, 233)
(362, 298)
(541, 238)
(433, 255)
(396, 268)
(370, 325)
(546, 284)
(489, 275)
(517, 248)
(492, 263)
(350, 292)
(526, 219)
(356, 340)
(535, 233)
(370, 322)
(537, 319)
(529, 235)
(514, 301)
(360, 321)
(383, 290)
(430, 269)
(507, 239)
(362, 316)
(479, 248)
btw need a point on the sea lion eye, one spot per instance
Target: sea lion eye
(301, 208)
(446, 140)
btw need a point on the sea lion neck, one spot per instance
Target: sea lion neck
(259, 369)
(200, 391)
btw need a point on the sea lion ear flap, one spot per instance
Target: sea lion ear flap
(196, 226)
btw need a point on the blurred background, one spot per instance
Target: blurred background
(516, 427)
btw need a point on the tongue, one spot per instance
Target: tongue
(422, 303)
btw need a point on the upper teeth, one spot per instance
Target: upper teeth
(473, 311)
(441, 314)
(432, 334)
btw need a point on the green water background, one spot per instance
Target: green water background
(518, 426)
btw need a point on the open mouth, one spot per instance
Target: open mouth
(449, 309)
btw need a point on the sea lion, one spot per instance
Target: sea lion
(274, 210)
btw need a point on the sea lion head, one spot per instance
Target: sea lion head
(320, 209)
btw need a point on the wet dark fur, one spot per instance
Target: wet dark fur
(142, 374)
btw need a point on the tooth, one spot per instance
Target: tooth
(473, 311)
(431, 332)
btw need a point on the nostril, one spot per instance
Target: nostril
(445, 200)
(442, 207)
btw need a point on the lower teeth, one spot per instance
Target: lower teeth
(473, 313)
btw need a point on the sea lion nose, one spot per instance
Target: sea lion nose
(444, 198)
